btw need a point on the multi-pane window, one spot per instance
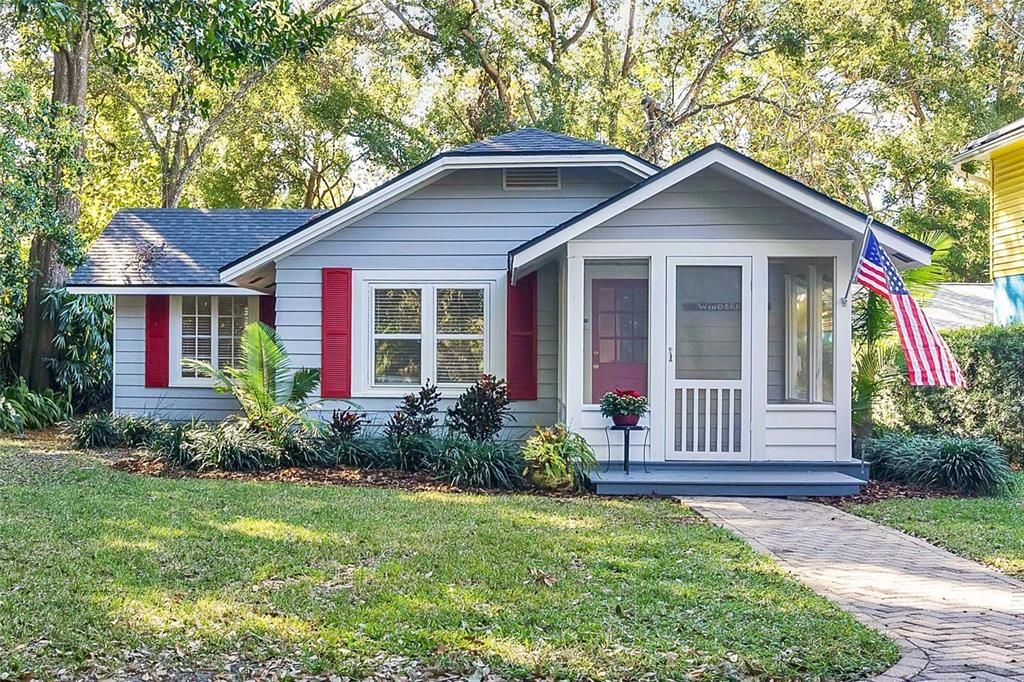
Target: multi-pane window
(428, 332)
(397, 336)
(211, 330)
(801, 310)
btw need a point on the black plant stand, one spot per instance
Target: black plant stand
(626, 430)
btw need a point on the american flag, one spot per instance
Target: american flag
(929, 361)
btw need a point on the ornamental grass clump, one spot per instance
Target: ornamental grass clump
(973, 466)
(469, 463)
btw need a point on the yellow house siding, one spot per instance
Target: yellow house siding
(1007, 226)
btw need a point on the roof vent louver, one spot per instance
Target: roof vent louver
(532, 178)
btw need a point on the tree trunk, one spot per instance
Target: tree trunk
(46, 271)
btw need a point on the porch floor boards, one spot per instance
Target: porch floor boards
(726, 480)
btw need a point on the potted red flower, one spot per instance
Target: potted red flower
(625, 407)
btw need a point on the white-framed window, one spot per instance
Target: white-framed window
(207, 328)
(804, 295)
(417, 331)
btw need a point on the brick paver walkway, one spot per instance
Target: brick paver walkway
(954, 619)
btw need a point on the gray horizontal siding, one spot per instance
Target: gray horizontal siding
(710, 205)
(130, 393)
(463, 221)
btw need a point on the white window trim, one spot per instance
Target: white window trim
(816, 389)
(365, 282)
(175, 378)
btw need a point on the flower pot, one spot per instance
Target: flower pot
(625, 419)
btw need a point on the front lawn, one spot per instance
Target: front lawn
(102, 571)
(986, 529)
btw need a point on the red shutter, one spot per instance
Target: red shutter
(158, 352)
(268, 310)
(521, 348)
(336, 327)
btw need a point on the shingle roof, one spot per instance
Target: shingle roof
(955, 305)
(532, 141)
(179, 246)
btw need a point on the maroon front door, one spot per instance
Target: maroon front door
(619, 350)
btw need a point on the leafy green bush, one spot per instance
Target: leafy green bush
(992, 359)
(481, 411)
(82, 362)
(471, 463)
(975, 466)
(95, 430)
(231, 445)
(557, 456)
(22, 408)
(302, 446)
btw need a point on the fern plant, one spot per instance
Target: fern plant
(272, 397)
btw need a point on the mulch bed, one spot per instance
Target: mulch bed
(880, 491)
(413, 481)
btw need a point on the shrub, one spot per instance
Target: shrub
(136, 430)
(22, 408)
(471, 463)
(558, 456)
(95, 430)
(347, 424)
(416, 416)
(992, 359)
(232, 445)
(481, 411)
(975, 466)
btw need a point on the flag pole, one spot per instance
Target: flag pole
(856, 264)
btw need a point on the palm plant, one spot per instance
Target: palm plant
(272, 397)
(876, 364)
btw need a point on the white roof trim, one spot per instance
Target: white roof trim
(1008, 134)
(737, 163)
(176, 290)
(413, 181)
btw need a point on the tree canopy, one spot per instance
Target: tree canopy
(305, 102)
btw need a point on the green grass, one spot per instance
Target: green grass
(98, 567)
(986, 529)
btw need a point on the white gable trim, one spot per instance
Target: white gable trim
(785, 188)
(406, 184)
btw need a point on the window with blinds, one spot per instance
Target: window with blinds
(432, 332)
(460, 335)
(211, 330)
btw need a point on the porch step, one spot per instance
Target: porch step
(747, 480)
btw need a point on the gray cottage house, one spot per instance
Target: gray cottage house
(567, 266)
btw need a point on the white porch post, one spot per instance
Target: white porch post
(573, 343)
(659, 340)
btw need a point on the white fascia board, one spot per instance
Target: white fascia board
(413, 181)
(141, 289)
(749, 170)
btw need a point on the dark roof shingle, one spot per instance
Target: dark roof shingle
(158, 247)
(532, 141)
